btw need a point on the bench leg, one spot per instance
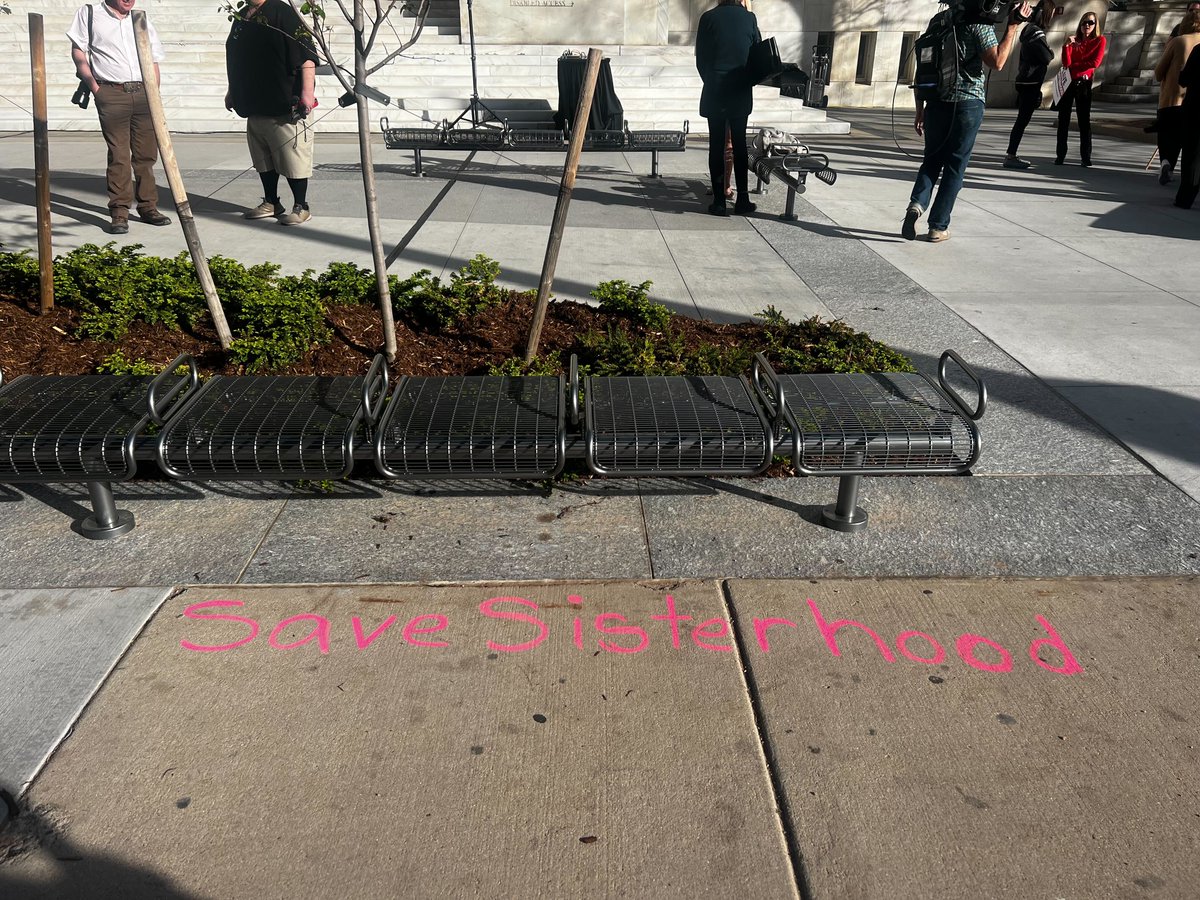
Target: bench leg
(106, 520)
(654, 164)
(789, 213)
(845, 515)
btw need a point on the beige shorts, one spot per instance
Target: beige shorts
(280, 145)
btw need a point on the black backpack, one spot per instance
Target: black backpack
(938, 56)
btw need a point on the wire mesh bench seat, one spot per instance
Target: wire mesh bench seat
(474, 427)
(87, 428)
(675, 426)
(446, 138)
(884, 423)
(260, 427)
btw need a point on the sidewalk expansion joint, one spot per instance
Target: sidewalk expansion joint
(770, 761)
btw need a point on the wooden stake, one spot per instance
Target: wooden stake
(41, 161)
(182, 206)
(578, 129)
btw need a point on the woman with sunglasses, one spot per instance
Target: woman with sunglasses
(1081, 54)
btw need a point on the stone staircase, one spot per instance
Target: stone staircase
(658, 86)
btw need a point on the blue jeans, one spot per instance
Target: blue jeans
(950, 130)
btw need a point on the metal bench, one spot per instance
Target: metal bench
(446, 138)
(677, 425)
(265, 427)
(96, 428)
(87, 428)
(473, 427)
(786, 158)
(890, 423)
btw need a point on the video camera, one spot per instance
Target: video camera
(82, 96)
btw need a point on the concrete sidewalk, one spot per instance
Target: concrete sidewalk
(961, 754)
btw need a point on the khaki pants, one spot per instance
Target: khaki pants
(132, 149)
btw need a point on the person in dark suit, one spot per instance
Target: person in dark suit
(723, 40)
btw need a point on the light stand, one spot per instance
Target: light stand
(476, 105)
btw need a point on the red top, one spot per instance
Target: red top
(1082, 57)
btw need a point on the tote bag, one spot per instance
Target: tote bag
(763, 62)
(1062, 81)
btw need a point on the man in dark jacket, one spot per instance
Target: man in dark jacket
(1035, 59)
(271, 66)
(723, 40)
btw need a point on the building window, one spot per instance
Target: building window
(866, 57)
(823, 54)
(908, 58)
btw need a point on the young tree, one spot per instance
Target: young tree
(369, 20)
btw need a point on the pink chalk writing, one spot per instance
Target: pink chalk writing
(519, 627)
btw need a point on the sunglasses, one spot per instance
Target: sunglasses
(1088, 23)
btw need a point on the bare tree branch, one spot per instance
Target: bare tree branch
(418, 27)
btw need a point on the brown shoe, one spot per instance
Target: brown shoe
(117, 226)
(153, 217)
(937, 235)
(298, 216)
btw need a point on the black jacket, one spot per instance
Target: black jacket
(723, 40)
(1035, 56)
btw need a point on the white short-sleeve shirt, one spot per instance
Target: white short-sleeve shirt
(114, 48)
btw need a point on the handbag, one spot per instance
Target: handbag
(1062, 81)
(763, 62)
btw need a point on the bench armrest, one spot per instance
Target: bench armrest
(375, 388)
(770, 391)
(980, 387)
(573, 387)
(160, 408)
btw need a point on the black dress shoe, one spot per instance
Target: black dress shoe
(744, 207)
(117, 226)
(718, 209)
(154, 217)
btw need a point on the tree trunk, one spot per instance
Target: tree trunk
(368, 175)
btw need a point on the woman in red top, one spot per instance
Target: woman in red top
(1082, 54)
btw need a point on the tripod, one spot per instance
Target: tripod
(476, 108)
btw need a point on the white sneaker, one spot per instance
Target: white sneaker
(298, 215)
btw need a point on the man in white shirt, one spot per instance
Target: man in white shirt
(105, 54)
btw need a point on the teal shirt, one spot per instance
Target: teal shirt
(974, 39)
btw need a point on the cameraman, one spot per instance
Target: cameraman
(1034, 60)
(951, 123)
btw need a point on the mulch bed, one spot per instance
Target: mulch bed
(32, 344)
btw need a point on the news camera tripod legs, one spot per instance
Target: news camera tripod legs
(476, 107)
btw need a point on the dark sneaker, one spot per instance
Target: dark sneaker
(298, 216)
(718, 209)
(1015, 162)
(1086, 163)
(268, 209)
(1164, 174)
(117, 226)
(153, 217)
(908, 230)
(1058, 160)
(744, 207)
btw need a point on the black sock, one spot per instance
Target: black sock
(270, 183)
(299, 188)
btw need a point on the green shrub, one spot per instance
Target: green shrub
(19, 275)
(345, 284)
(540, 365)
(617, 352)
(276, 329)
(117, 363)
(430, 303)
(622, 298)
(816, 346)
(113, 288)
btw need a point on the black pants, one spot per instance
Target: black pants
(1079, 94)
(1171, 124)
(1189, 175)
(1029, 98)
(716, 155)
